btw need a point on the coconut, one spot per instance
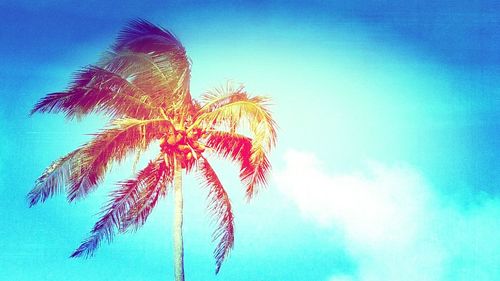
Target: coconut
(201, 147)
(183, 147)
(171, 140)
(178, 137)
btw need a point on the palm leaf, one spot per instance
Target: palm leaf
(146, 68)
(53, 179)
(122, 199)
(220, 207)
(154, 73)
(144, 37)
(232, 109)
(238, 148)
(98, 90)
(147, 198)
(222, 95)
(164, 49)
(112, 145)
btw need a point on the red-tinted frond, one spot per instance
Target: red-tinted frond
(146, 68)
(53, 179)
(236, 147)
(156, 74)
(147, 198)
(161, 46)
(257, 176)
(144, 37)
(230, 145)
(95, 89)
(220, 207)
(54, 102)
(112, 144)
(122, 200)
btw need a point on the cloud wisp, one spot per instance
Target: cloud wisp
(393, 224)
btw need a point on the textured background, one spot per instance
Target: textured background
(387, 166)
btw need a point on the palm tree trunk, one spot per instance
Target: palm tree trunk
(177, 227)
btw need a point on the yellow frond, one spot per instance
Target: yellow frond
(234, 110)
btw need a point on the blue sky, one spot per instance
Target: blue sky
(387, 166)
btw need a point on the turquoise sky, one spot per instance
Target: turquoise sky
(387, 166)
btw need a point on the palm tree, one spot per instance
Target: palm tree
(142, 85)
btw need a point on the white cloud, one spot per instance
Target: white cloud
(392, 222)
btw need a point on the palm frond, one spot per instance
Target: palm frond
(155, 74)
(53, 179)
(144, 37)
(222, 95)
(238, 148)
(146, 68)
(96, 90)
(122, 200)
(162, 47)
(220, 207)
(112, 145)
(54, 102)
(232, 109)
(147, 198)
(257, 176)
